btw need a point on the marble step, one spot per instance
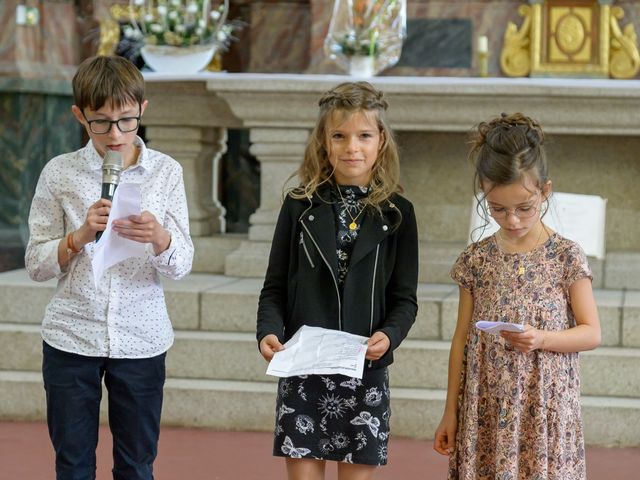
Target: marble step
(234, 405)
(234, 255)
(228, 304)
(234, 356)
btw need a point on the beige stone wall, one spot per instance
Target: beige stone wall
(438, 178)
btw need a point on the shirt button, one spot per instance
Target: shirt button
(385, 228)
(311, 218)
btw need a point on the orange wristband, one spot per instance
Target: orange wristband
(70, 246)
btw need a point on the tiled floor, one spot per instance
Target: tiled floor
(191, 454)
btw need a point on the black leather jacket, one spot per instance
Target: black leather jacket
(379, 294)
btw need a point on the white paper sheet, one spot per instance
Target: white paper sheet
(497, 327)
(112, 248)
(320, 351)
(580, 218)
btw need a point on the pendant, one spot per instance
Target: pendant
(521, 270)
(353, 226)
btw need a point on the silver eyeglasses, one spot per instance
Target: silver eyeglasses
(524, 211)
(520, 212)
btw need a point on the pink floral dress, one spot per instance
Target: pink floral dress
(519, 413)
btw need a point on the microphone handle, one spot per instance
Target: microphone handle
(108, 189)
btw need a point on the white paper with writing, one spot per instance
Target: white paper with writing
(320, 351)
(112, 248)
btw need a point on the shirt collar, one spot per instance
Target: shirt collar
(95, 160)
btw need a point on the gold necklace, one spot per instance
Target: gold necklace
(353, 225)
(521, 265)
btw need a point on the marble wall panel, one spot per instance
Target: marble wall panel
(279, 37)
(488, 17)
(34, 129)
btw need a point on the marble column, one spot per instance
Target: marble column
(198, 150)
(280, 152)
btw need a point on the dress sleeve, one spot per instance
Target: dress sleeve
(461, 272)
(175, 262)
(577, 265)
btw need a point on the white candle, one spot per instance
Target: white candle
(483, 44)
(205, 10)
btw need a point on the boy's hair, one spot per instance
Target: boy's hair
(349, 98)
(107, 79)
(508, 148)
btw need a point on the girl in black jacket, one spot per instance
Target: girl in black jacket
(344, 256)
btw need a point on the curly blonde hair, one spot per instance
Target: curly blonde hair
(349, 98)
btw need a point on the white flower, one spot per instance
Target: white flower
(156, 28)
(215, 15)
(162, 10)
(199, 31)
(148, 18)
(139, 2)
(202, 23)
(192, 8)
(175, 3)
(173, 14)
(222, 36)
(180, 28)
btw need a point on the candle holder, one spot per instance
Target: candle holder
(483, 64)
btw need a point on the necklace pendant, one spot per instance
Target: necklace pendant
(353, 226)
(521, 270)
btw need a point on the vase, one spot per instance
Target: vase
(169, 59)
(362, 66)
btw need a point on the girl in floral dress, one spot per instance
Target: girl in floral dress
(513, 399)
(344, 256)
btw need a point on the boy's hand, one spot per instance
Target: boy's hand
(378, 343)
(95, 222)
(269, 345)
(143, 228)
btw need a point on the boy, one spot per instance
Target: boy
(119, 330)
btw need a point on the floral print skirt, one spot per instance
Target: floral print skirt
(334, 417)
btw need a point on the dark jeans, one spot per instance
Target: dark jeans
(73, 384)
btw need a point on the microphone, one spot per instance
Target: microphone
(111, 167)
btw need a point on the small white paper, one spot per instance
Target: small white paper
(112, 248)
(320, 351)
(497, 327)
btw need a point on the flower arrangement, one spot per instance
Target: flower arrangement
(180, 23)
(367, 28)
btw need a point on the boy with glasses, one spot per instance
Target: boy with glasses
(119, 330)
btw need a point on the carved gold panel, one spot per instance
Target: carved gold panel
(577, 38)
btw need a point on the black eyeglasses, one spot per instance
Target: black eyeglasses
(103, 126)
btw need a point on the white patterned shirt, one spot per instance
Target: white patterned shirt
(126, 315)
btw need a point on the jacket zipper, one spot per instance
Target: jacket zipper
(335, 283)
(373, 289)
(304, 246)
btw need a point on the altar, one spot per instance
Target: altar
(593, 129)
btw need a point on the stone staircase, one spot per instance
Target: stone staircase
(216, 377)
